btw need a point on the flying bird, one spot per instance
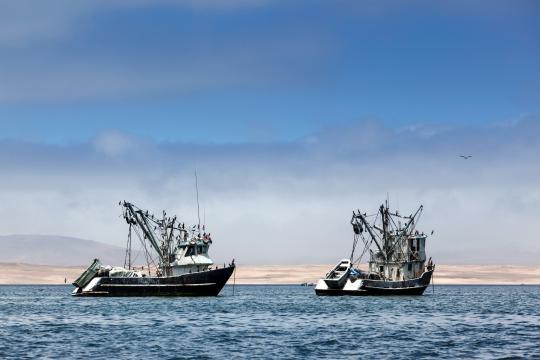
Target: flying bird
(465, 156)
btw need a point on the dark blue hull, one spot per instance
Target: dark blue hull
(204, 283)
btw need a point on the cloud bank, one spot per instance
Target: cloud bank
(291, 202)
(58, 51)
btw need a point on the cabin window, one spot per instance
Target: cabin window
(410, 267)
(381, 268)
(398, 273)
(199, 249)
(190, 251)
(418, 244)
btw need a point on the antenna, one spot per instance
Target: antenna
(198, 207)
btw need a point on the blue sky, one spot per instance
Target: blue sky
(293, 113)
(258, 71)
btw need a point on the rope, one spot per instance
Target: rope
(366, 248)
(127, 247)
(355, 241)
(146, 253)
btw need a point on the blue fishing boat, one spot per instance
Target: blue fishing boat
(177, 261)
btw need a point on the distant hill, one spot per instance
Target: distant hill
(57, 250)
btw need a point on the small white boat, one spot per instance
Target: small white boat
(338, 276)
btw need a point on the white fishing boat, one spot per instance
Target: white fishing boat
(397, 257)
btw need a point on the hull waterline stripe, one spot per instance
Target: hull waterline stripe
(156, 285)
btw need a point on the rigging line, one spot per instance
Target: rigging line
(144, 246)
(367, 244)
(355, 241)
(366, 247)
(354, 261)
(418, 219)
(198, 208)
(136, 256)
(149, 216)
(373, 225)
(398, 237)
(414, 220)
(375, 220)
(129, 255)
(146, 252)
(128, 247)
(393, 222)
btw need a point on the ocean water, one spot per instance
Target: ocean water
(272, 322)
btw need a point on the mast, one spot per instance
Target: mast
(165, 224)
(384, 215)
(127, 257)
(129, 248)
(198, 208)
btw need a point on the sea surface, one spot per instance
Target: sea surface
(272, 322)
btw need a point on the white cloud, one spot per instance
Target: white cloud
(114, 143)
(54, 75)
(284, 203)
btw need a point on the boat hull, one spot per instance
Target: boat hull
(333, 282)
(368, 287)
(204, 283)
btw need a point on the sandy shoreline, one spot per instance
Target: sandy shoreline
(290, 274)
(444, 274)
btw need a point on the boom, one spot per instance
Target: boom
(364, 223)
(140, 219)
